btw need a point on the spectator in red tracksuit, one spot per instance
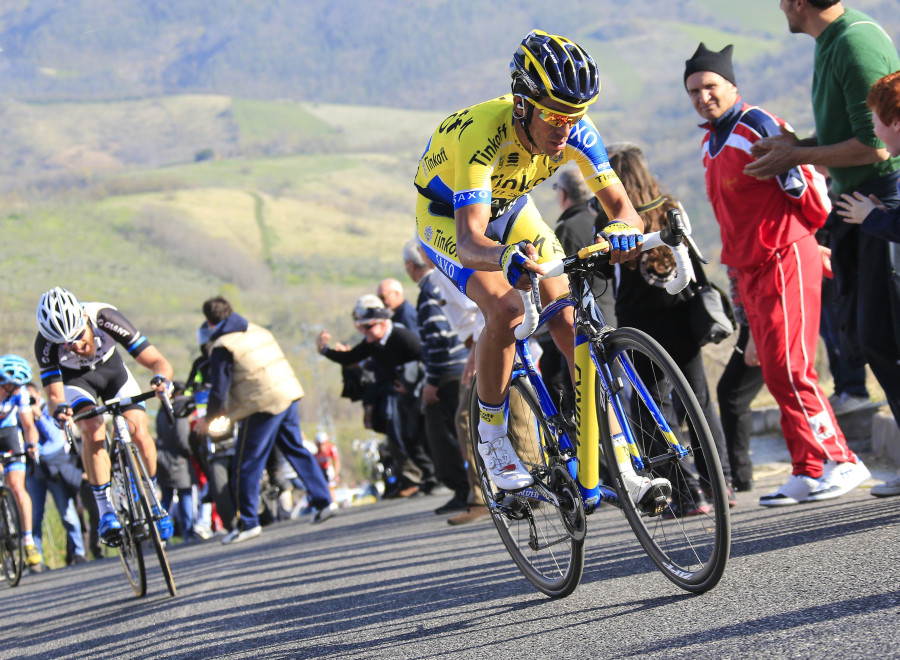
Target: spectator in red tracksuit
(767, 232)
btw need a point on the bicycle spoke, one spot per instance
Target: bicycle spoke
(689, 539)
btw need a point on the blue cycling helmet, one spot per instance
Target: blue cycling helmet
(14, 369)
(549, 65)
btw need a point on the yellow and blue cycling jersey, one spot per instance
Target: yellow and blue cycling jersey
(475, 157)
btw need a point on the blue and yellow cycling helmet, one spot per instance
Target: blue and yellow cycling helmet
(14, 369)
(549, 65)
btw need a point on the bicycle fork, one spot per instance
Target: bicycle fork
(128, 445)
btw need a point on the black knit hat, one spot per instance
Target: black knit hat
(704, 59)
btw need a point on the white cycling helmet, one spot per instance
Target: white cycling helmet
(60, 317)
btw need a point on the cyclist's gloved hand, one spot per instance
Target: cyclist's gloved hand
(161, 384)
(62, 414)
(512, 261)
(622, 236)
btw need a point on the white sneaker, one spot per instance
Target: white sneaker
(795, 491)
(887, 489)
(838, 479)
(238, 535)
(324, 513)
(503, 465)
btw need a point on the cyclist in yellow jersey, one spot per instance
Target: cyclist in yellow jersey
(473, 212)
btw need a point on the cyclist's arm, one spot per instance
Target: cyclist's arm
(619, 208)
(477, 251)
(55, 395)
(29, 430)
(151, 358)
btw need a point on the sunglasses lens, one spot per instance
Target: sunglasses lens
(557, 120)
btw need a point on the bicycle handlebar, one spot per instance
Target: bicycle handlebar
(127, 401)
(671, 237)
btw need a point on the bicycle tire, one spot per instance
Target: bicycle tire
(556, 567)
(142, 482)
(690, 540)
(11, 557)
(131, 552)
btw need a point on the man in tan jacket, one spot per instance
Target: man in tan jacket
(253, 383)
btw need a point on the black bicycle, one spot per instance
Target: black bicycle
(132, 494)
(11, 558)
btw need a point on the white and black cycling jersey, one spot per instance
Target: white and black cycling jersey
(57, 363)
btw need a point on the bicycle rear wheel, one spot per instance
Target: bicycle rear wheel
(689, 539)
(142, 483)
(131, 553)
(538, 535)
(11, 539)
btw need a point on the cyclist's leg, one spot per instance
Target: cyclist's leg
(526, 224)
(502, 309)
(37, 486)
(11, 440)
(137, 420)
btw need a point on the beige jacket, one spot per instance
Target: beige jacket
(262, 379)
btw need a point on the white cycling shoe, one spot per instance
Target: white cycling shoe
(503, 464)
(649, 495)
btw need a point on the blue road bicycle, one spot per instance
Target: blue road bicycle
(636, 419)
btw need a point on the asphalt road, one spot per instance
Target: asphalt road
(393, 580)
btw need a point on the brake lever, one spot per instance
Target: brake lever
(678, 231)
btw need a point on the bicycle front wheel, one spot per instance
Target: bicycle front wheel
(131, 553)
(11, 539)
(536, 533)
(687, 530)
(142, 483)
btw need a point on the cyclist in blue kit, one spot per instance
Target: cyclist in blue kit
(15, 414)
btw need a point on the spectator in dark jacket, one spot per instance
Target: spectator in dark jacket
(390, 292)
(394, 352)
(445, 358)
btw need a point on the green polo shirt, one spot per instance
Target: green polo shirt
(851, 54)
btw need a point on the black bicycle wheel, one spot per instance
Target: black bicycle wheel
(546, 542)
(142, 482)
(10, 539)
(131, 553)
(686, 532)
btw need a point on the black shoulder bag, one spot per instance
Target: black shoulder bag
(711, 313)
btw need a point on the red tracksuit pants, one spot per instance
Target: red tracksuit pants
(783, 299)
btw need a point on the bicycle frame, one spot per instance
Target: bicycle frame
(583, 455)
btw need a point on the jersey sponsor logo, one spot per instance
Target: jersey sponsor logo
(486, 154)
(114, 327)
(466, 197)
(444, 243)
(607, 177)
(540, 241)
(445, 266)
(520, 185)
(583, 135)
(434, 160)
(455, 121)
